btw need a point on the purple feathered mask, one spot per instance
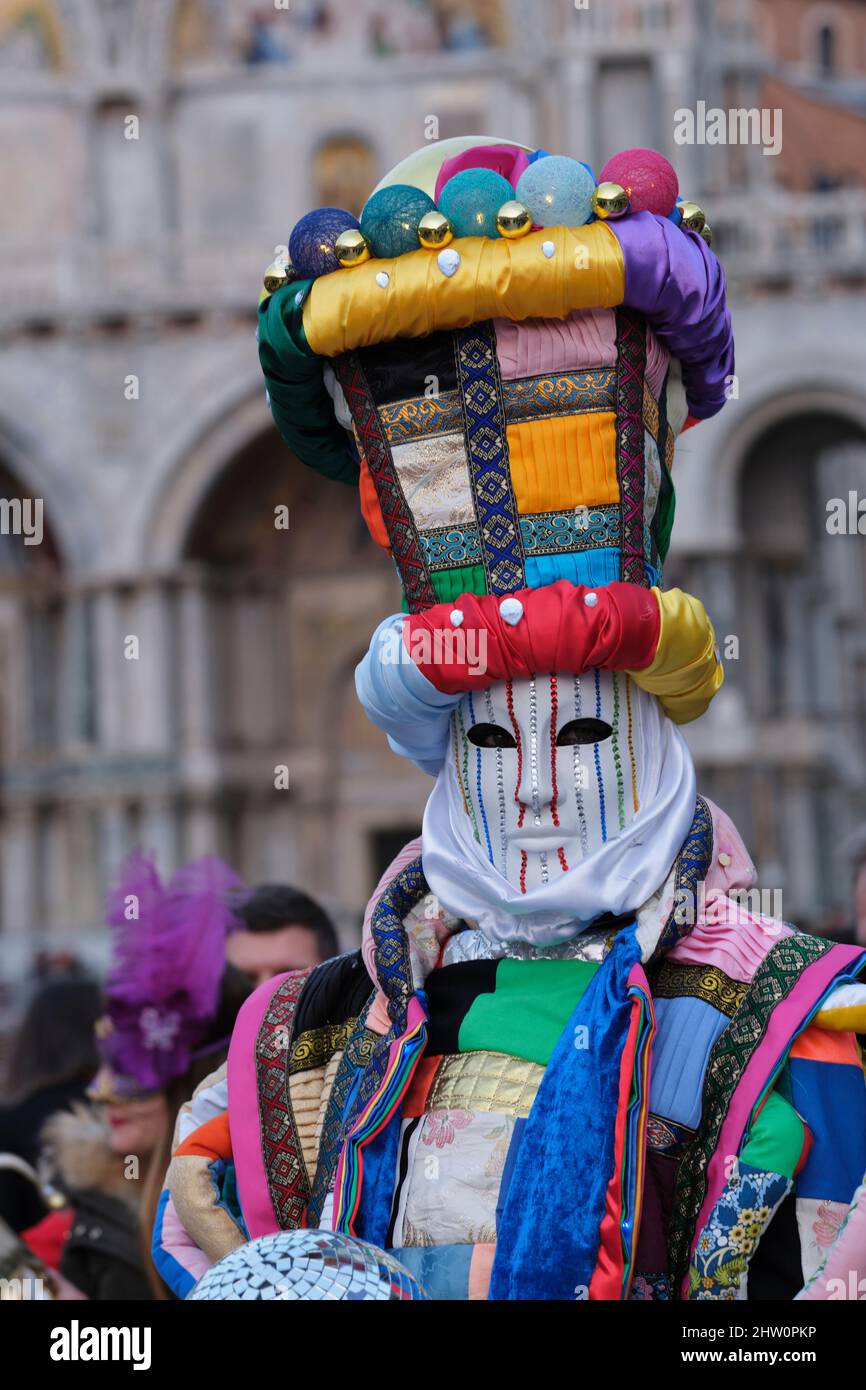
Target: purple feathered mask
(169, 954)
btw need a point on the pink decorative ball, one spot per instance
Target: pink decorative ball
(648, 178)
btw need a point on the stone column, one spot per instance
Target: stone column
(109, 671)
(195, 661)
(19, 896)
(149, 729)
(159, 832)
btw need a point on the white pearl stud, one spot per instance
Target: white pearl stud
(511, 611)
(590, 600)
(456, 617)
(448, 261)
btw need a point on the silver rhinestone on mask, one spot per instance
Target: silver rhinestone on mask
(578, 772)
(500, 783)
(533, 771)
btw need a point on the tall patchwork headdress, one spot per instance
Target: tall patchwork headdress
(500, 354)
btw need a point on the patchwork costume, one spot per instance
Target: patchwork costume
(570, 1059)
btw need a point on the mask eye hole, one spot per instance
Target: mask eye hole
(491, 736)
(583, 731)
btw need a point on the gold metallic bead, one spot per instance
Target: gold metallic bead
(278, 273)
(434, 230)
(707, 233)
(609, 200)
(351, 247)
(513, 220)
(692, 217)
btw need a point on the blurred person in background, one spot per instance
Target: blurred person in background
(856, 849)
(281, 929)
(52, 1060)
(170, 1003)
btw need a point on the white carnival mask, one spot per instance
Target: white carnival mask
(548, 770)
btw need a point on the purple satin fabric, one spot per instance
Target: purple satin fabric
(673, 278)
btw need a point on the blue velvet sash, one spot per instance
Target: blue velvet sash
(548, 1241)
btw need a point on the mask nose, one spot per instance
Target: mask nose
(537, 784)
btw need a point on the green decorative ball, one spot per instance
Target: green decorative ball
(390, 219)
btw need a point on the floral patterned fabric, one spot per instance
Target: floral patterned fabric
(453, 1161)
(720, 1266)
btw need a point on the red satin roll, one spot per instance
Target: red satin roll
(557, 632)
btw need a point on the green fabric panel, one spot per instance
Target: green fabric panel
(667, 507)
(450, 584)
(527, 1011)
(775, 1144)
(302, 409)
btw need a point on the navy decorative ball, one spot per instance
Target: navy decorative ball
(311, 245)
(558, 191)
(295, 1266)
(472, 199)
(390, 219)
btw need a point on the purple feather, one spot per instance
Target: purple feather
(168, 947)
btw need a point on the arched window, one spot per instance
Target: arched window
(344, 172)
(825, 50)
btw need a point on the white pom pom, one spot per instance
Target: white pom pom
(511, 610)
(591, 600)
(456, 617)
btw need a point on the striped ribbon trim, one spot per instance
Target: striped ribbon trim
(403, 1054)
(630, 463)
(529, 398)
(493, 499)
(402, 531)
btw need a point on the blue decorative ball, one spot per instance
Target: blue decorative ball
(472, 199)
(311, 245)
(558, 191)
(390, 219)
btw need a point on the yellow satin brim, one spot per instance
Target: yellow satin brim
(685, 672)
(496, 278)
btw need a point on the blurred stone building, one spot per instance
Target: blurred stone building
(166, 647)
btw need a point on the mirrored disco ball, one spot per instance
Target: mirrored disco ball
(308, 1265)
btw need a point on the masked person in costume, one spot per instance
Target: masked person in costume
(566, 1062)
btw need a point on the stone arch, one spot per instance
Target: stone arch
(782, 748)
(194, 460)
(33, 31)
(723, 445)
(22, 461)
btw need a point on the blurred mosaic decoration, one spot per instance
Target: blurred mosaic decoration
(308, 1265)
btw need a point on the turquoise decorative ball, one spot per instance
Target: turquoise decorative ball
(472, 199)
(558, 191)
(390, 219)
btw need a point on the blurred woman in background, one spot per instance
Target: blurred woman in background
(170, 1004)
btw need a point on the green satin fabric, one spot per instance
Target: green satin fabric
(300, 404)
